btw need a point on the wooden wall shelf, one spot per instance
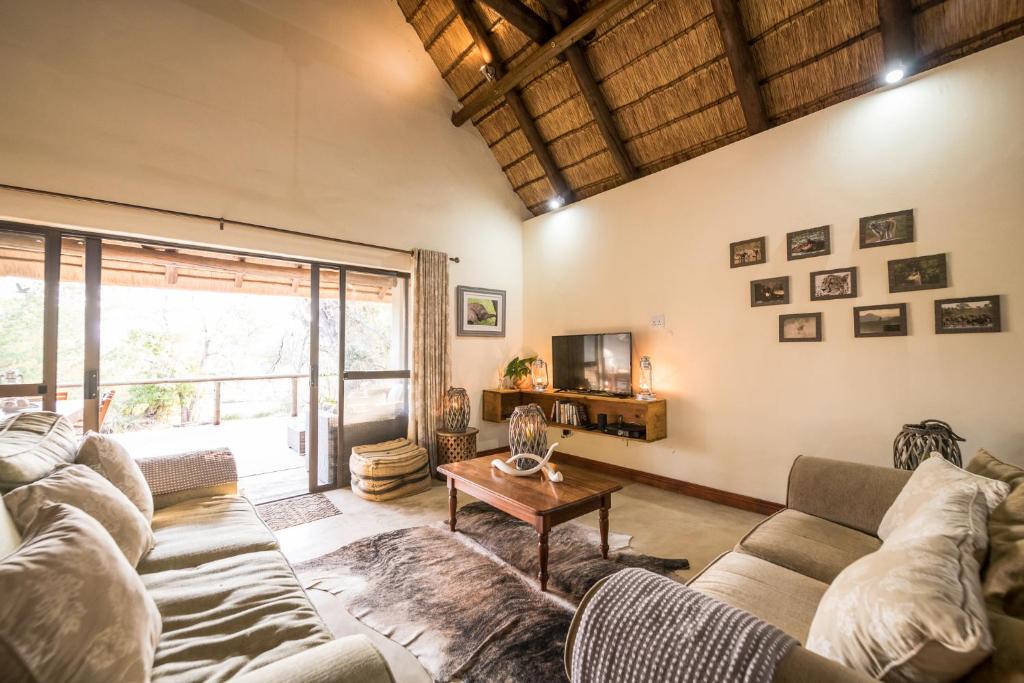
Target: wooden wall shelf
(499, 404)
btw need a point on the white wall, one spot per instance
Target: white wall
(322, 117)
(741, 405)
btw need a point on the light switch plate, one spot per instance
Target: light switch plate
(658, 321)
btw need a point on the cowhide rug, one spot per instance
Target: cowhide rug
(467, 604)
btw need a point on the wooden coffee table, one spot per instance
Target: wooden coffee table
(533, 499)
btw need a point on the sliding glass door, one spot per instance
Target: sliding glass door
(367, 338)
(204, 348)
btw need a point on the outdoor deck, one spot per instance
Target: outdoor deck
(267, 468)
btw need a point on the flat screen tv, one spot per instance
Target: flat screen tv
(593, 362)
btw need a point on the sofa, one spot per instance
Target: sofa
(781, 569)
(230, 606)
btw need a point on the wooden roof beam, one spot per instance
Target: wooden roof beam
(558, 44)
(523, 18)
(566, 10)
(896, 22)
(587, 82)
(598, 107)
(741, 63)
(527, 125)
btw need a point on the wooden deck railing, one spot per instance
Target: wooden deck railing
(216, 381)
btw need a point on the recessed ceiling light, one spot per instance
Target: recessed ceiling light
(555, 203)
(894, 75)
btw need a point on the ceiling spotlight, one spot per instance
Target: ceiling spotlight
(894, 75)
(555, 202)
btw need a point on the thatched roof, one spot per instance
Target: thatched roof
(129, 264)
(668, 78)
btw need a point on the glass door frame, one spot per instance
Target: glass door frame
(312, 434)
(47, 388)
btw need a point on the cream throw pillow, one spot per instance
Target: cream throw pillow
(74, 610)
(932, 477)
(913, 610)
(80, 486)
(109, 458)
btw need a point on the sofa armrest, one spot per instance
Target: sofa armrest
(173, 478)
(847, 493)
(800, 665)
(351, 659)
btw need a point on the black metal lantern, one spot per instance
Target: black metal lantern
(916, 442)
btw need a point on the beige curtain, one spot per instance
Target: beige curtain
(431, 348)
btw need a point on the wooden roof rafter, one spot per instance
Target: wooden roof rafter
(741, 63)
(482, 40)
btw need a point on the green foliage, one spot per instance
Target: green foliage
(518, 368)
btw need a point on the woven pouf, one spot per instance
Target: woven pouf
(388, 470)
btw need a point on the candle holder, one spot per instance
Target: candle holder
(646, 392)
(539, 374)
(456, 410)
(527, 433)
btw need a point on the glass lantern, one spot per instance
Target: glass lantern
(539, 374)
(456, 410)
(527, 433)
(646, 392)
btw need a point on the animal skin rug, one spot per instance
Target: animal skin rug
(467, 604)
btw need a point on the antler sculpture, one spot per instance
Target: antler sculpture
(508, 467)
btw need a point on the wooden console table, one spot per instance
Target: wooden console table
(499, 404)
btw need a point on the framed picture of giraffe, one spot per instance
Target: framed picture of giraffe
(481, 312)
(887, 228)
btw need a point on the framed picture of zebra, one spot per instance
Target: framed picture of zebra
(840, 283)
(481, 312)
(887, 228)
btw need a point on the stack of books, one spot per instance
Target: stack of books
(569, 413)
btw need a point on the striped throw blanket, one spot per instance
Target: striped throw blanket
(643, 627)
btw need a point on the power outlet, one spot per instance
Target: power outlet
(658, 321)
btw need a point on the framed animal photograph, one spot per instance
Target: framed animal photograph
(770, 291)
(967, 314)
(840, 283)
(919, 272)
(809, 243)
(883, 320)
(887, 228)
(800, 327)
(748, 252)
(481, 312)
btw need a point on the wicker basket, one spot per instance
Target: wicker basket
(918, 441)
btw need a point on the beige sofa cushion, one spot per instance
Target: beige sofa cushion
(80, 486)
(74, 610)
(202, 530)
(10, 538)
(108, 457)
(913, 610)
(1003, 580)
(806, 544)
(32, 445)
(230, 616)
(778, 595)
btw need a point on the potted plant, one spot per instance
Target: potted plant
(516, 371)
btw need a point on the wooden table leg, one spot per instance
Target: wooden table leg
(452, 503)
(603, 516)
(542, 546)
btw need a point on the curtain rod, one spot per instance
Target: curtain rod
(217, 219)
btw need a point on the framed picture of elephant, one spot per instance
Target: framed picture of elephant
(481, 312)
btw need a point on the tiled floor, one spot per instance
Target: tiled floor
(661, 523)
